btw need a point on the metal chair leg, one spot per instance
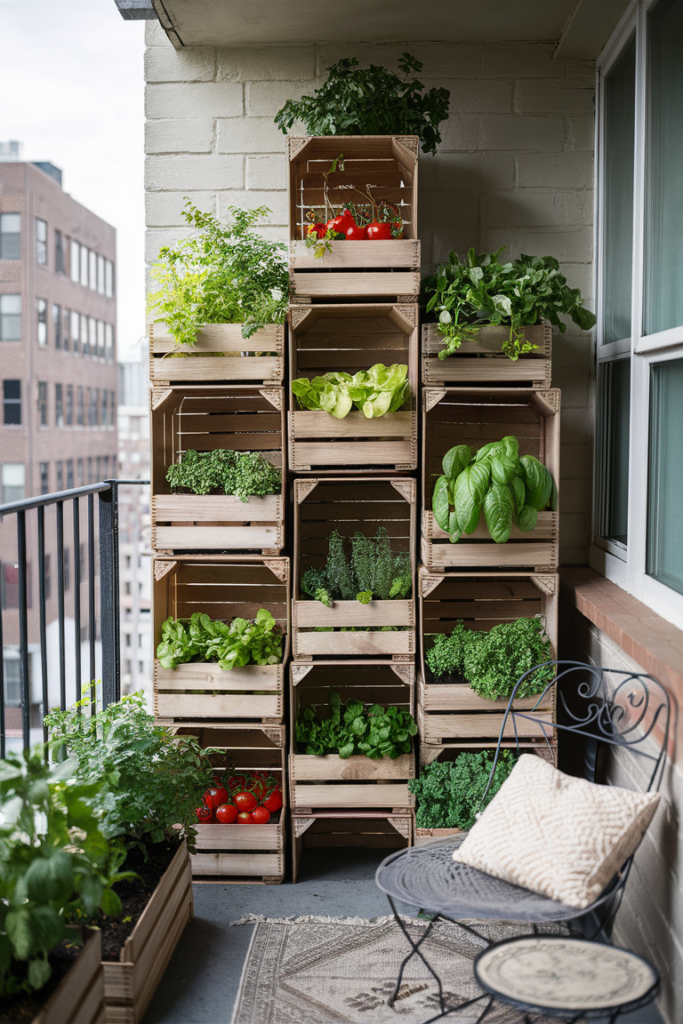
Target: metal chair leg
(415, 949)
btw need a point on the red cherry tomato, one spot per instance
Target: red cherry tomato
(226, 814)
(236, 782)
(244, 818)
(259, 816)
(244, 801)
(356, 233)
(379, 232)
(215, 796)
(273, 802)
(204, 815)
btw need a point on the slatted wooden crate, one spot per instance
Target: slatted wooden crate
(452, 711)
(223, 590)
(220, 354)
(476, 416)
(333, 783)
(343, 829)
(239, 853)
(204, 419)
(130, 984)
(79, 997)
(481, 362)
(387, 166)
(352, 338)
(347, 505)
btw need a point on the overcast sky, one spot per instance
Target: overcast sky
(71, 88)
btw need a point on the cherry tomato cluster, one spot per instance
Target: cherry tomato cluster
(345, 224)
(249, 799)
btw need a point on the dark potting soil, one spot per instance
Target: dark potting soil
(447, 677)
(22, 1008)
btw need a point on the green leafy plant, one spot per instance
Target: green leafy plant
(227, 274)
(373, 572)
(493, 661)
(449, 793)
(508, 487)
(55, 863)
(468, 293)
(146, 776)
(351, 728)
(376, 391)
(200, 638)
(370, 101)
(240, 473)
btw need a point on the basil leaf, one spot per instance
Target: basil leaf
(503, 469)
(527, 518)
(518, 492)
(498, 509)
(455, 460)
(441, 503)
(539, 482)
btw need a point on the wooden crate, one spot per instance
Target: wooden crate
(79, 997)
(476, 416)
(335, 829)
(257, 360)
(130, 984)
(388, 164)
(481, 362)
(239, 853)
(352, 338)
(205, 419)
(350, 504)
(222, 590)
(333, 783)
(428, 835)
(452, 711)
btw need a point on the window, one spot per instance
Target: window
(80, 414)
(59, 405)
(12, 671)
(13, 482)
(41, 241)
(100, 339)
(92, 336)
(85, 349)
(75, 261)
(66, 333)
(42, 403)
(75, 321)
(59, 473)
(10, 317)
(112, 409)
(60, 261)
(92, 270)
(84, 266)
(41, 306)
(69, 419)
(57, 324)
(79, 475)
(105, 408)
(93, 394)
(11, 401)
(108, 278)
(99, 469)
(109, 343)
(44, 477)
(10, 236)
(100, 274)
(69, 473)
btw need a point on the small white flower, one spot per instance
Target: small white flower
(445, 317)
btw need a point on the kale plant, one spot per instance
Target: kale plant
(351, 728)
(374, 572)
(450, 793)
(240, 473)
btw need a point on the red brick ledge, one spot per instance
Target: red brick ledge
(650, 640)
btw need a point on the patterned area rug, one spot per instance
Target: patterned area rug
(321, 970)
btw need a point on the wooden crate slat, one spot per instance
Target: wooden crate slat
(79, 997)
(249, 705)
(360, 643)
(480, 363)
(353, 613)
(242, 865)
(438, 557)
(398, 252)
(269, 369)
(217, 538)
(353, 454)
(212, 838)
(340, 795)
(355, 425)
(545, 529)
(436, 727)
(233, 365)
(193, 676)
(309, 284)
(309, 768)
(203, 507)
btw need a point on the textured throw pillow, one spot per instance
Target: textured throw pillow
(557, 835)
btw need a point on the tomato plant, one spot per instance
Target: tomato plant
(226, 814)
(259, 816)
(215, 796)
(244, 801)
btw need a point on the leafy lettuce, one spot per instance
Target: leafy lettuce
(376, 391)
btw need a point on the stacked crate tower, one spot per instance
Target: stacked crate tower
(476, 396)
(355, 307)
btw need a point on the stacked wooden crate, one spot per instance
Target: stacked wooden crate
(354, 307)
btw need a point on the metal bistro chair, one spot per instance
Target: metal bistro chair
(604, 708)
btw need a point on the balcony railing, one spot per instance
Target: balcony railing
(28, 540)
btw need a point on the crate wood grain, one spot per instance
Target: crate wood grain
(481, 362)
(448, 751)
(476, 416)
(130, 984)
(349, 504)
(429, 835)
(335, 829)
(238, 852)
(206, 419)
(223, 590)
(79, 997)
(351, 338)
(328, 780)
(220, 354)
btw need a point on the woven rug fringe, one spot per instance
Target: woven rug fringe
(293, 919)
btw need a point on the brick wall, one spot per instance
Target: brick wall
(514, 169)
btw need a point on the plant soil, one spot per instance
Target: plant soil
(447, 677)
(22, 1008)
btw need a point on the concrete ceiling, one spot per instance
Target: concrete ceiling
(580, 28)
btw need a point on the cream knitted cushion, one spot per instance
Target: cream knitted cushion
(557, 835)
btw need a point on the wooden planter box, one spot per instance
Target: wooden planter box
(453, 712)
(388, 165)
(365, 829)
(476, 416)
(203, 419)
(350, 504)
(333, 783)
(235, 853)
(130, 984)
(428, 835)
(79, 997)
(223, 590)
(481, 362)
(258, 360)
(352, 338)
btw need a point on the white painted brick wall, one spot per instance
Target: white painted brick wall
(515, 168)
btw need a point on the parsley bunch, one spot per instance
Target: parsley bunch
(351, 729)
(374, 571)
(449, 793)
(240, 473)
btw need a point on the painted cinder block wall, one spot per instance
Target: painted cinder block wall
(515, 168)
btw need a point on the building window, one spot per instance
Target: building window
(99, 469)
(11, 401)
(66, 333)
(13, 482)
(109, 343)
(42, 403)
(92, 270)
(69, 419)
(92, 336)
(60, 261)
(57, 324)
(92, 407)
(108, 279)
(59, 473)
(69, 474)
(10, 236)
(10, 317)
(112, 409)
(10, 599)
(79, 472)
(84, 336)
(80, 416)
(59, 405)
(100, 339)
(84, 266)
(100, 275)
(105, 408)
(90, 476)
(75, 262)
(41, 241)
(44, 477)
(41, 306)
(75, 322)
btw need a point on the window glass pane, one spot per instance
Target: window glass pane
(100, 274)
(75, 262)
(109, 279)
(57, 324)
(75, 321)
(92, 267)
(42, 321)
(665, 491)
(10, 236)
(617, 247)
(60, 264)
(663, 298)
(10, 317)
(613, 419)
(84, 335)
(84, 266)
(11, 394)
(13, 481)
(41, 241)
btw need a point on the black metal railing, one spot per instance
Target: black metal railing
(22, 534)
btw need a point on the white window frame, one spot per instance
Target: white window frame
(626, 566)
